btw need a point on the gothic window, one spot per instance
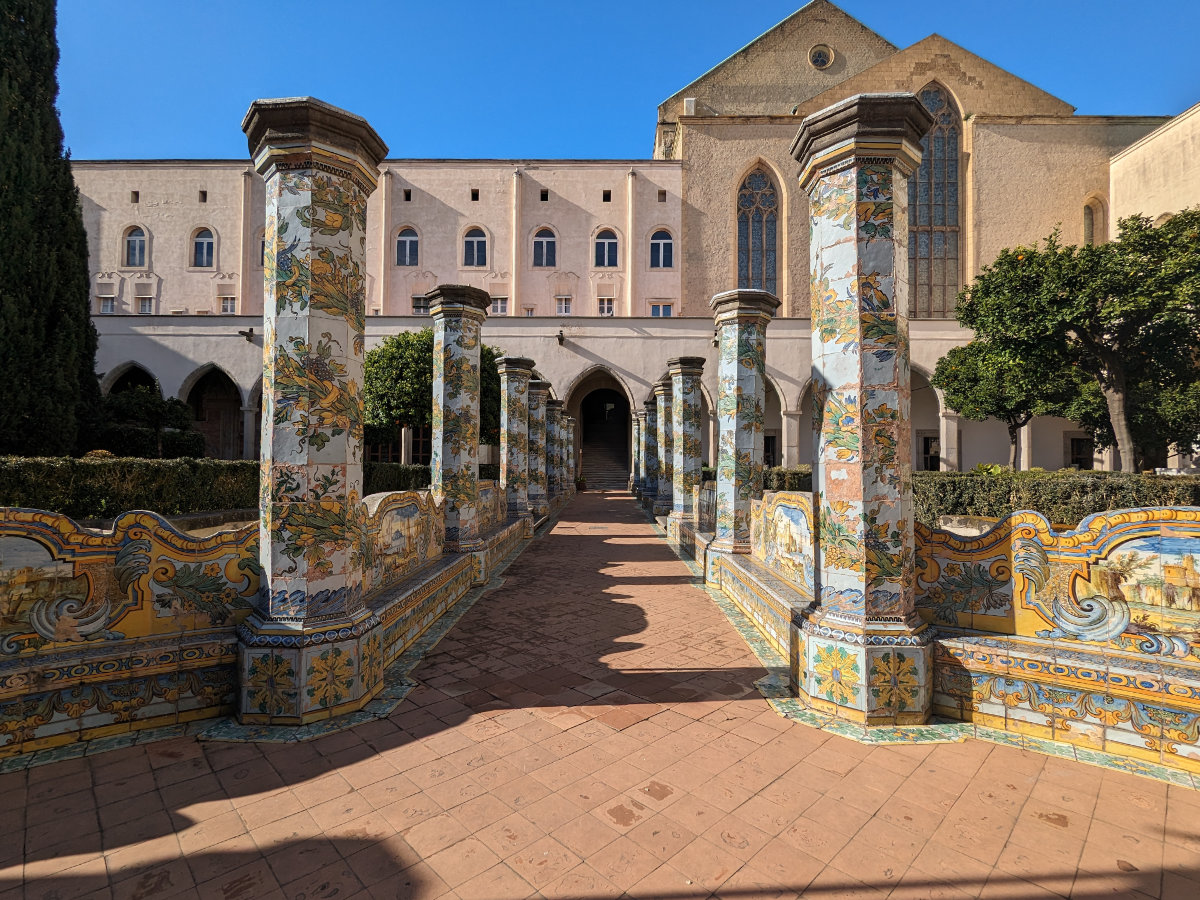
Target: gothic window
(135, 248)
(202, 249)
(757, 224)
(661, 250)
(475, 248)
(407, 246)
(933, 213)
(606, 249)
(543, 249)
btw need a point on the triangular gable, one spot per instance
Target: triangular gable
(981, 87)
(772, 73)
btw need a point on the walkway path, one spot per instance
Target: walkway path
(589, 729)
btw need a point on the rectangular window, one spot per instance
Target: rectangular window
(229, 306)
(108, 306)
(420, 305)
(662, 196)
(135, 196)
(930, 445)
(1081, 453)
(770, 450)
(204, 196)
(562, 306)
(474, 194)
(499, 306)
(545, 195)
(376, 311)
(262, 252)
(529, 312)
(606, 306)
(145, 306)
(660, 310)
(407, 195)
(606, 197)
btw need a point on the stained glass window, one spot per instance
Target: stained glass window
(757, 226)
(934, 275)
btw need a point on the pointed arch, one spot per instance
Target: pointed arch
(758, 227)
(589, 372)
(189, 383)
(130, 372)
(935, 210)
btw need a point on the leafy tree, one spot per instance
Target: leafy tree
(145, 407)
(1126, 314)
(47, 341)
(398, 386)
(987, 379)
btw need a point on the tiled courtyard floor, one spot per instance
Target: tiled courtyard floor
(589, 730)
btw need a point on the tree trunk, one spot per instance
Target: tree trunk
(1113, 387)
(1013, 432)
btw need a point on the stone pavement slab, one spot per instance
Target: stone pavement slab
(590, 729)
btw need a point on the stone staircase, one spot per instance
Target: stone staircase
(603, 469)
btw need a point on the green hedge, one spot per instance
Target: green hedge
(137, 441)
(781, 479)
(380, 478)
(1064, 498)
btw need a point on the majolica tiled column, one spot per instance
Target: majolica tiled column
(554, 484)
(866, 653)
(666, 449)
(635, 475)
(685, 374)
(539, 496)
(458, 311)
(515, 373)
(650, 456)
(309, 651)
(741, 318)
(569, 450)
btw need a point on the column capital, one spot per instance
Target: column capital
(514, 365)
(537, 386)
(662, 388)
(640, 415)
(458, 300)
(554, 404)
(686, 365)
(304, 132)
(865, 126)
(743, 303)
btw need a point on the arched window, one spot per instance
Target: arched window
(202, 249)
(475, 248)
(662, 250)
(757, 227)
(543, 248)
(606, 249)
(1089, 226)
(933, 216)
(135, 247)
(406, 247)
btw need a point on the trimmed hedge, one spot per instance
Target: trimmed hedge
(781, 479)
(1064, 498)
(137, 441)
(381, 478)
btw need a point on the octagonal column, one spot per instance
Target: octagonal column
(458, 311)
(685, 374)
(741, 319)
(307, 651)
(650, 456)
(515, 374)
(866, 652)
(554, 448)
(635, 476)
(539, 495)
(666, 449)
(569, 450)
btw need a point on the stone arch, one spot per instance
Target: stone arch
(127, 374)
(602, 405)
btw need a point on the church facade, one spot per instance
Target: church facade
(600, 270)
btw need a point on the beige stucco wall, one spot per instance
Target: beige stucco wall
(1160, 173)
(1029, 176)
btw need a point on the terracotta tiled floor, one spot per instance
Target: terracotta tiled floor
(590, 730)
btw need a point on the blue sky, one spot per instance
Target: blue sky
(531, 78)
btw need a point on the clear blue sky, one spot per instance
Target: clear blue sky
(532, 78)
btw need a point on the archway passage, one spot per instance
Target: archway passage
(217, 408)
(603, 417)
(133, 377)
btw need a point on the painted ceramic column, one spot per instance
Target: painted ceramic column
(866, 653)
(635, 472)
(666, 449)
(650, 454)
(515, 373)
(554, 448)
(685, 429)
(458, 312)
(539, 505)
(741, 318)
(308, 651)
(570, 452)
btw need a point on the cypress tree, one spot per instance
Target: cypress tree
(48, 387)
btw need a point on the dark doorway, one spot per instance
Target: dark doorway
(217, 408)
(604, 439)
(133, 377)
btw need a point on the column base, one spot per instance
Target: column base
(296, 674)
(877, 675)
(728, 545)
(662, 507)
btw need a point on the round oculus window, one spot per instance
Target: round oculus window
(821, 56)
